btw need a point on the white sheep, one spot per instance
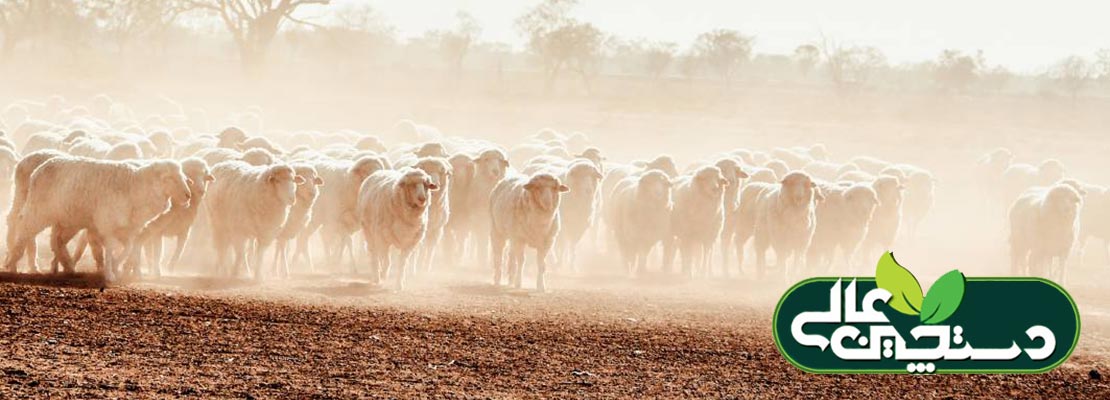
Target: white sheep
(117, 200)
(1095, 219)
(299, 215)
(334, 211)
(457, 230)
(439, 211)
(20, 185)
(887, 218)
(1044, 222)
(578, 208)
(698, 217)
(248, 205)
(490, 167)
(177, 222)
(641, 217)
(524, 212)
(779, 216)
(842, 220)
(393, 213)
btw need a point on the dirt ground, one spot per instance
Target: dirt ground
(593, 336)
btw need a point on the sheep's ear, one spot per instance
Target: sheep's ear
(209, 178)
(813, 185)
(563, 189)
(741, 174)
(817, 195)
(298, 180)
(431, 186)
(722, 182)
(318, 181)
(598, 175)
(189, 182)
(529, 186)
(504, 163)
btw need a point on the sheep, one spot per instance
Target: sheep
(594, 156)
(260, 142)
(124, 151)
(886, 220)
(793, 159)
(641, 207)
(698, 217)
(44, 141)
(248, 204)
(920, 193)
(855, 176)
(334, 210)
(6, 143)
(231, 138)
(734, 174)
(439, 212)
(90, 148)
(177, 222)
(299, 214)
(117, 200)
(1019, 177)
(1095, 219)
(842, 220)
(20, 186)
(578, 209)
(663, 163)
(760, 174)
(870, 165)
(370, 143)
(827, 171)
(779, 216)
(489, 169)
(524, 211)
(258, 157)
(393, 213)
(1044, 222)
(780, 167)
(458, 197)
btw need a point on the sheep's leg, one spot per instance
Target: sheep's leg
(281, 261)
(109, 242)
(516, 263)
(59, 237)
(82, 244)
(259, 251)
(156, 256)
(739, 241)
(179, 248)
(431, 245)
(497, 254)
(541, 267)
(403, 257)
(303, 249)
(668, 254)
(726, 242)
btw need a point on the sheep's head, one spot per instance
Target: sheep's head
(655, 187)
(308, 190)
(663, 163)
(583, 176)
(370, 143)
(779, 166)
(438, 169)
(544, 190)
(257, 157)
(799, 189)
(284, 180)
(1050, 171)
(731, 170)
(74, 135)
(196, 170)
(170, 181)
(1064, 199)
(365, 166)
(491, 165)
(415, 187)
(862, 199)
(889, 190)
(231, 137)
(431, 149)
(462, 167)
(710, 182)
(125, 151)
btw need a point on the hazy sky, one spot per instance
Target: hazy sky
(1024, 35)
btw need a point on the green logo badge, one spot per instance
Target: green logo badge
(961, 325)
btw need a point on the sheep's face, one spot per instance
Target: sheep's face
(889, 191)
(665, 164)
(710, 182)
(199, 178)
(173, 182)
(584, 178)
(415, 187)
(862, 200)
(1064, 200)
(283, 180)
(491, 166)
(308, 190)
(655, 188)
(544, 190)
(438, 171)
(798, 189)
(462, 168)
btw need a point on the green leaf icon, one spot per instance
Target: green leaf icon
(900, 282)
(944, 298)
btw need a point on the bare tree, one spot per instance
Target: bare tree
(724, 51)
(850, 67)
(956, 71)
(806, 57)
(560, 41)
(253, 24)
(38, 22)
(658, 56)
(1072, 74)
(455, 44)
(125, 20)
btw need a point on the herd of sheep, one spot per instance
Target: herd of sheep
(120, 185)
